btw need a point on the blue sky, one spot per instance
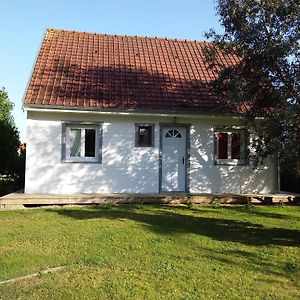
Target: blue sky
(22, 25)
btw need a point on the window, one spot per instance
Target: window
(173, 133)
(230, 146)
(144, 135)
(81, 142)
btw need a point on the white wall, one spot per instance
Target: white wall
(126, 168)
(205, 177)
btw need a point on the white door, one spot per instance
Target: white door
(173, 159)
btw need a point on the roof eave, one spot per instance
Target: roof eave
(136, 112)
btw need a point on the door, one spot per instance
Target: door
(173, 159)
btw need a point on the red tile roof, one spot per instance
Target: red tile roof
(79, 70)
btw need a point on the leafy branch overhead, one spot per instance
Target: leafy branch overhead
(265, 35)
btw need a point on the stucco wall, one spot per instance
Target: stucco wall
(207, 177)
(126, 168)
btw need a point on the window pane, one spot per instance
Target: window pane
(169, 134)
(177, 134)
(145, 136)
(222, 145)
(75, 138)
(173, 133)
(90, 142)
(235, 145)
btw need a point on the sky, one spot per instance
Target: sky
(23, 24)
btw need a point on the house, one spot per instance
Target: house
(128, 114)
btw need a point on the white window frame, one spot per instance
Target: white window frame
(67, 126)
(244, 147)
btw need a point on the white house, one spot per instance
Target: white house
(131, 114)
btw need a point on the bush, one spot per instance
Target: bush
(7, 185)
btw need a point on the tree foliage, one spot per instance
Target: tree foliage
(265, 34)
(6, 107)
(12, 164)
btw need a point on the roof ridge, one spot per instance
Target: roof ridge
(130, 36)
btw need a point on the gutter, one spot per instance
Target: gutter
(60, 109)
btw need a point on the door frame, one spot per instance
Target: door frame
(187, 154)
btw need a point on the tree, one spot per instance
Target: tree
(265, 35)
(6, 107)
(12, 164)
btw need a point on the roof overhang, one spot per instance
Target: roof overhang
(129, 112)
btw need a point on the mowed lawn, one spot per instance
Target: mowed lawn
(152, 252)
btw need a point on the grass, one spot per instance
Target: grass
(152, 252)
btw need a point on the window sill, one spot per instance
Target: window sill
(230, 162)
(144, 146)
(84, 161)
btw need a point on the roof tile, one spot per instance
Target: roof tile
(99, 71)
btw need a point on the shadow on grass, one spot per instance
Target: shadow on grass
(167, 222)
(257, 212)
(257, 262)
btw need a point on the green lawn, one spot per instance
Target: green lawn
(152, 252)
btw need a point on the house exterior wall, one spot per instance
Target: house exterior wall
(129, 169)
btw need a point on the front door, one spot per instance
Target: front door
(173, 159)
